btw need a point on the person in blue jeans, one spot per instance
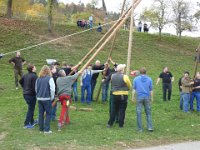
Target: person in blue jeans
(28, 84)
(195, 93)
(186, 86)
(105, 83)
(86, 78)
(143, 87)
(45, 92)
(180, 91)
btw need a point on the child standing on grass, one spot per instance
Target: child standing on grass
(45, 92)
(64, 89)
(28, 84)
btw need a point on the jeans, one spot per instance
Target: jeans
(30, 101)
(186, 99)
(91, 24)
(16, 73)
(181, 101)
(147, 107)
(105, 87)
(193, 96)
(75, 91)
(167, 87)
(53, 112)
(87, 87)
(44, 107)
(119, 103)
(93, 84)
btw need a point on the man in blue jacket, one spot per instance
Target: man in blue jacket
(143, 87)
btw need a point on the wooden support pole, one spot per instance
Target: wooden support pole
(197, 61)
(110, 52)
(110, 36)
(130, 41)
(106, 35)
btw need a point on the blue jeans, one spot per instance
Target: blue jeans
(30, 101)
(44, 106)
(147, 107)
(186, 99)
(193, 96)
(93, 84)
(105, 87)
(91, 24)
(53, 112)
(87, 87)
(181, 101)
(75, 91)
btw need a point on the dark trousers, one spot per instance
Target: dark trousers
(17, 72)
(111, 108)
(167, 87)
(119, 103)
(44, 107)
(30, 101)
(93, 85)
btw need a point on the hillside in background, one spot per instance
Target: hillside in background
(171, 125)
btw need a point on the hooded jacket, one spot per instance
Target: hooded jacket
(143, 86)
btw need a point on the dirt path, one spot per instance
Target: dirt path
(180, 146)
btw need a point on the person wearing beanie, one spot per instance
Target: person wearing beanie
(120, 87)
(195, 93)
(143, 87)
(28, 84)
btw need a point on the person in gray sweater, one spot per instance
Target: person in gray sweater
(64, 89)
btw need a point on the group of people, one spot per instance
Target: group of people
(145, 27)
(55, 82)
(85, 23)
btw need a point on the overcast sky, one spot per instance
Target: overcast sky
(114, 5)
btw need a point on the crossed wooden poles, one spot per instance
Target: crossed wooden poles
(107, 37)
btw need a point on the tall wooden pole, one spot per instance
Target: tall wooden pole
(110, 52)
(106, 35)
(130, 42)
(110, 36)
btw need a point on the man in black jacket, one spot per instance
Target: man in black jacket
(28, 84)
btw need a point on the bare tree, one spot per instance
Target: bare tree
(181, 16)
(104, 7)
(50, 10)
(9, 8)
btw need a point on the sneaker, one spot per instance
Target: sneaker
(28, 127)
(17, 88)
(108, 126)
(35, 122)
(150, 130)
(48, 132)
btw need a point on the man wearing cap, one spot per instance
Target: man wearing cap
(17, 62)
(120, 87)
(143, 87)
(186, 86)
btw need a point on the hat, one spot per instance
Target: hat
(135, 73)
(121, 67)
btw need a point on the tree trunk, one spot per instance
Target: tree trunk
(50, 9)
(160, 33)
(9, 9)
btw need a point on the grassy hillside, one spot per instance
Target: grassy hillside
(88, 129)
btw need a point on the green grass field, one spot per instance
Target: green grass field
(88, 129)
